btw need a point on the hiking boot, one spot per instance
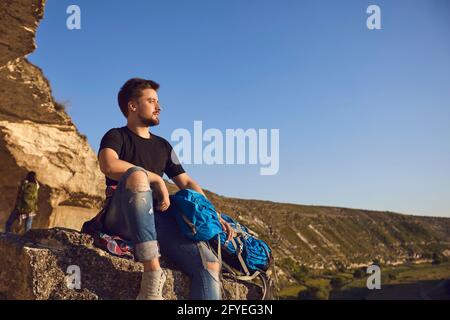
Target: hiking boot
(152, 284)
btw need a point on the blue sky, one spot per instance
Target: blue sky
(364, 115)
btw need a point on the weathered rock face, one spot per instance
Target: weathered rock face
(36, 134)
(18, 23)
(35, 267)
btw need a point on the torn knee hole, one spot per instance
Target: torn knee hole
(136, 198)
(138, 182)
(213, 266)
(144, 187)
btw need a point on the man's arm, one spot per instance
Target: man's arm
(184, 181)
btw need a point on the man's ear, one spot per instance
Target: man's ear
(131, 106)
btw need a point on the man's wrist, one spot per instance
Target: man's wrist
(153, 178)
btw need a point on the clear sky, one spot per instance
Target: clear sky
(364, 115)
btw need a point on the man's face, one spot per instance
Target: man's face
(147, 108)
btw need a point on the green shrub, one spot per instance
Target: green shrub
(438, 258)
(300, 277)
(290, 264)
(314, 293)
(60, 106)
(392, 276)
(340, 267)
(301, 274)
(359, 273)
(377, 262)
(303, 269)
(338, 282)
(427, 255)
(329, 273)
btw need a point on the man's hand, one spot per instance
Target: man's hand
(162, 194)
(228, 229)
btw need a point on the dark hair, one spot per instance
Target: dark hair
(131, 90)
(31, 176)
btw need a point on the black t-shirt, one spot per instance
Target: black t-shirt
(153, 154)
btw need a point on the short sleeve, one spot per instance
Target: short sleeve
(173, 165)
(112, 139)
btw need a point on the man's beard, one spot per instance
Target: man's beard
(148, 122)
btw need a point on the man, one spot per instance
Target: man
(26, 203)
(134, 160)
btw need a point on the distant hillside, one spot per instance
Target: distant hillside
(333, 238)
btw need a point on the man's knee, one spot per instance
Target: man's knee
(138, 182)
(213, 266)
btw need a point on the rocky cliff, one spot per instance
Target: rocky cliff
(35, 132)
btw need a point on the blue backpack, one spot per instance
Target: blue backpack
(252, 254)
(196, 215)
(244, 257)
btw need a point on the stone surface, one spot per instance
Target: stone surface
(35, 267)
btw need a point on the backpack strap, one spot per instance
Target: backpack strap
(249, 277)
(219, 250)
(239, 254)
(185, 218)
(240, 231)
(189, 223)
(266, 286)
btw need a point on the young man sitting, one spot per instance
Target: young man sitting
(134, 160)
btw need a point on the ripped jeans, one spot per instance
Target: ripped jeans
(130, 215)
